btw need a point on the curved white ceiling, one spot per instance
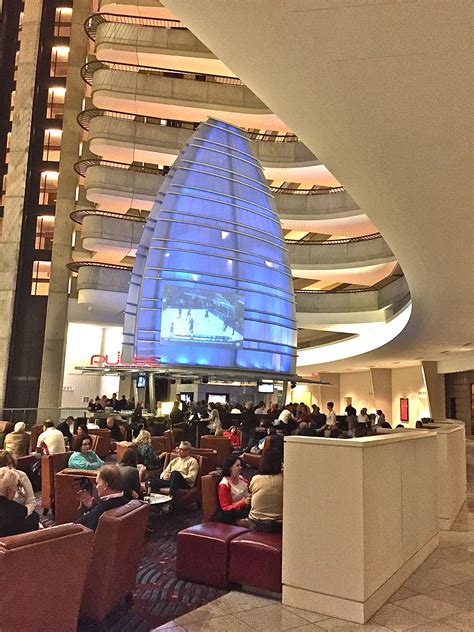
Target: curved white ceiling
(379, 91)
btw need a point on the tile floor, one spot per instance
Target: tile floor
(438, 597)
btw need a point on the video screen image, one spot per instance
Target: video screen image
(195, 315)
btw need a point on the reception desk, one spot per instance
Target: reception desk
(360, 516)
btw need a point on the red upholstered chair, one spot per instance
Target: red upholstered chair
(66, 508)
(264, 550)
(42, 576)
(102, 445)
(51, 464)
(222, 445)
(210, 500)
(202, 553)
(253, 460)
(116, 553)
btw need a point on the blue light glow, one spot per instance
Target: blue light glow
(212, 283)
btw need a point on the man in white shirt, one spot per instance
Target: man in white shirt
(51, 440)
(286, 421)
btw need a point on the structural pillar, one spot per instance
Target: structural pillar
(434, 383)
(382, 390)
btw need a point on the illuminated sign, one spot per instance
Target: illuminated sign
(103, 360)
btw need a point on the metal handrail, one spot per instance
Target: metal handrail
(74, 266)
(93, 21)
(78, 216)
(82, 166)
(84, 118)
(313, 191)
(88, 70)
(328, 242)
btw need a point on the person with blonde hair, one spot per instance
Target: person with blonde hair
(18, 441)
(24, 493)
(14, 517)
(146, 454)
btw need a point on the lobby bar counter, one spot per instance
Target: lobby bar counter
(360, 516)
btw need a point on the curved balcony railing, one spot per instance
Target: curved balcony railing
(74, 266)
(329, 242)
(84, 118)
(79, 215)
(313, 191)
(82, 166)
(88, 70)
(96, 19)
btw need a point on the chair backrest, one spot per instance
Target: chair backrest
(209, 459)
(51, 464)
(222, 445)
(38, 594)
(6, 427)
(210, 501)
(35, 430)
(102, 444)
(158, 444)
(173, 438)
(121, 446)
(66, 505)
(116, 553)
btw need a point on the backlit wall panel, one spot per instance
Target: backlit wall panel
(212, 285)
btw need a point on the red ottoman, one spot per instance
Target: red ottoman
(255, 560)
(202, 553)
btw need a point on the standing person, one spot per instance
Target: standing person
(109, 484)
(248, 425)
(18, 441)
(380, 419)
(214, 420)
(176, 414)
(266, 488)
(351, 418)
(233, 493)
(51, 440)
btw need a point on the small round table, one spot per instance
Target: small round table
(159, 502)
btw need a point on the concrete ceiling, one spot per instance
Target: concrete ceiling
(381, 92)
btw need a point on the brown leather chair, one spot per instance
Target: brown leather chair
(51, 464)
(222, 445)
(35, 433)
(42, 576)
(121, 446)
(66, 508)
(253, 460)
(116, 553)
(158, 444)
(103, 445)
(209, 459)
(210, 501)
(173, 438)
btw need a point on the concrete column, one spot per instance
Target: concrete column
(434, 384)
(17, 175)
(56, 317)
(382, 390)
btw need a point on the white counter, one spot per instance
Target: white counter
(360, 516)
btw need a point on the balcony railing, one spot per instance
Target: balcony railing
(88, 70)
(74, 266)
(82, 166)
(312, 191)
(330, 242)
(84, 119)
(96, 19)
(79, 215)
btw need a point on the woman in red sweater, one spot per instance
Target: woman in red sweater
(233, 493)
(233, 436)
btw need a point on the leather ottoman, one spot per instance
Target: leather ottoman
(255, 560)
(202, 553)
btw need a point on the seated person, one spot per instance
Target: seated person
(180, 473)
(113, 426)
(14, 517)
(18, 441)
(24, 493)
(131, 476)
(67, 428)
(233, 493)
(331, 422)
(232, 434)
(83, 458)
(109, 484)
(51, 440)
(266, 488)
(286, 420)
(146, 454)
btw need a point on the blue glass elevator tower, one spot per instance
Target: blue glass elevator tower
(211, 285)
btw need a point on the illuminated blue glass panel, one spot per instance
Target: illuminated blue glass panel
(211, 285)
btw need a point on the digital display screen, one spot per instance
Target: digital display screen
(202, 316)
(265, 387)
(141, 380)
(217, 398)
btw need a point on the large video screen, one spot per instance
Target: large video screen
(195, 315)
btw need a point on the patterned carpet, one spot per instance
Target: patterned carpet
(159, 596)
